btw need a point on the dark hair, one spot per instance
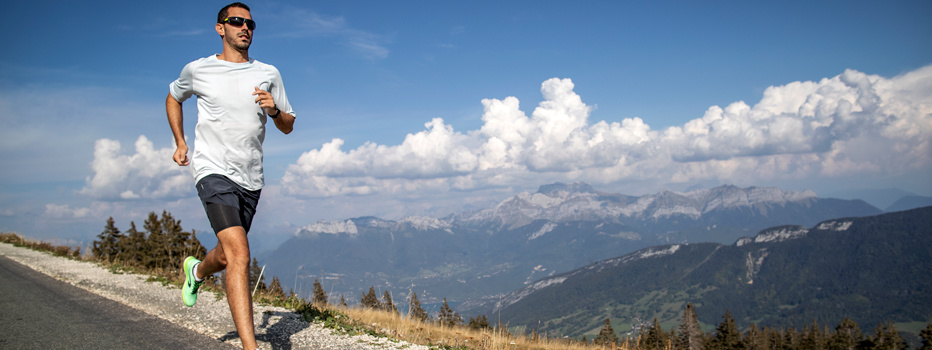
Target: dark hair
(224, 11)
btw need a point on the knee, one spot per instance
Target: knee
(239, 258)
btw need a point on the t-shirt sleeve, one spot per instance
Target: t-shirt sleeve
(279, 95)
(183, 87)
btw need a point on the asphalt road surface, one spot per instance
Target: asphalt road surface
(40, 312)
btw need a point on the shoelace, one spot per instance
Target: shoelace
(196, 286)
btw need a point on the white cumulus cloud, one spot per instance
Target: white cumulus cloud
(148, 173)
(845, 125)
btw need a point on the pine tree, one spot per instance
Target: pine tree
(772, 338)
(479, 322)
(886, 337)
(370, 300)
(388, 304)
(926, 335)
(106, 246)
(122, 249)
(791, 339)
(176, 240)
(255, 276)
(654, 339)
(155, 243)
(445, 313)
(275, 289)
(812, 338)
(132, 245)
(755, 339)
(320, 297)
(606, 335)
(690, 333)
(847, 336)
(447, 317)
(415, 311)
(726, 334)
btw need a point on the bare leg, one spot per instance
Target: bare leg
(232, 254)
(214, 262)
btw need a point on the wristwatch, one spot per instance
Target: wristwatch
(278, 112)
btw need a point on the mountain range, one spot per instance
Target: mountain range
(561, 227)
(909, 202)
(870, 269)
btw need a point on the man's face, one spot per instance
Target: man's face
(239, 37)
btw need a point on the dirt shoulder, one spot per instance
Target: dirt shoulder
(276, 328)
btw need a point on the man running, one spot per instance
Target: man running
(235, 95)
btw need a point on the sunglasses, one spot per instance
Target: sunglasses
(239, 21)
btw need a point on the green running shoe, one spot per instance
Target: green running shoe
(189, 290)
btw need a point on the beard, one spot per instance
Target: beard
(234, 42)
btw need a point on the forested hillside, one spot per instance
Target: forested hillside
(872, 269)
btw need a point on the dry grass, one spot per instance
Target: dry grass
(432, 334)
(19, 241)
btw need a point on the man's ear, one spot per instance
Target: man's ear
(219, 28)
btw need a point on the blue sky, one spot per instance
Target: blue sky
(428, 107)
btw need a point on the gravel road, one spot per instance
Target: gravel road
(276, 328)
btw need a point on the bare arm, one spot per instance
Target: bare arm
(284, 122)
(176, 121)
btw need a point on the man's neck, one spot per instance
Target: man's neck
(233, 55)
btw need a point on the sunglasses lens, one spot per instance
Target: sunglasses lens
(239, 21)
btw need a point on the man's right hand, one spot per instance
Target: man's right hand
(181, 155)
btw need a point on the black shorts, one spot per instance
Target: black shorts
(227, 204)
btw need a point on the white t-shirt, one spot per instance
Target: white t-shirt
(230, 124)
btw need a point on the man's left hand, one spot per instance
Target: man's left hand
(264, 99)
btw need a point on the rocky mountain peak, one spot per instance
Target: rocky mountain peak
(560, 202)
(330, 227)
(732, 196)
